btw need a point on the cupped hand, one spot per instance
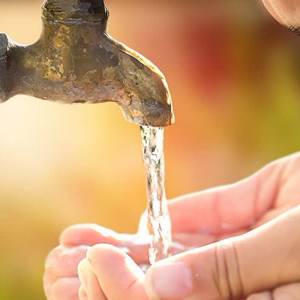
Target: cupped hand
(247, 257)
(61, 276)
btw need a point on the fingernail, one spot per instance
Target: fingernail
(170, 280)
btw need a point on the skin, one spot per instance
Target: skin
(286, 12)
(255, 220)
(234, 242)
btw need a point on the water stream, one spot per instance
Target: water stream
(159, 224)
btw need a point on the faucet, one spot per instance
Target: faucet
(76, 61)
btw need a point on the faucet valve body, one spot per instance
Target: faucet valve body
(76, 61)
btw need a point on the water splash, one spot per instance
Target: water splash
(159, 224)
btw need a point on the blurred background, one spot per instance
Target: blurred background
(234, 74)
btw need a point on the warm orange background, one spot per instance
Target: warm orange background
(234, 75)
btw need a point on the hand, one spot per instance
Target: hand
(287, 12)
(61, 280)
(207, 216)
(262, 262)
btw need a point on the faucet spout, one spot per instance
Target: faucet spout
(76, 61)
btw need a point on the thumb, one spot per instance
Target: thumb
(287, 12)
(260, 260)
(117, 274)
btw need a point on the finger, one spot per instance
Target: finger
(91, 234)
(225, 210)
(286, 12)
(274, 12)
(261, 296)
(62, 262)
(287, 292)
(187, 239)
(90, 287)
(225, 270)
(135, 245)
(64, 289)
(117, 273)
(193, 239)
(88, 234)
(82, 293)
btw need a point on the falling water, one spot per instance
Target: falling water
(159, 223)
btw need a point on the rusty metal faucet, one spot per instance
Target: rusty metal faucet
(76, 61)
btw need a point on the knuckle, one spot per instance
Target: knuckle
(65, 289)
(291, 292)
(63, 262)
(261, 296)
(57, 290)
(227, 271)
(52, 256)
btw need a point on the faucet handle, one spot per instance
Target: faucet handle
(75, 11)
(3, 65)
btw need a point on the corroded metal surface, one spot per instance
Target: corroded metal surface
(76, 61)
(3, 63)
